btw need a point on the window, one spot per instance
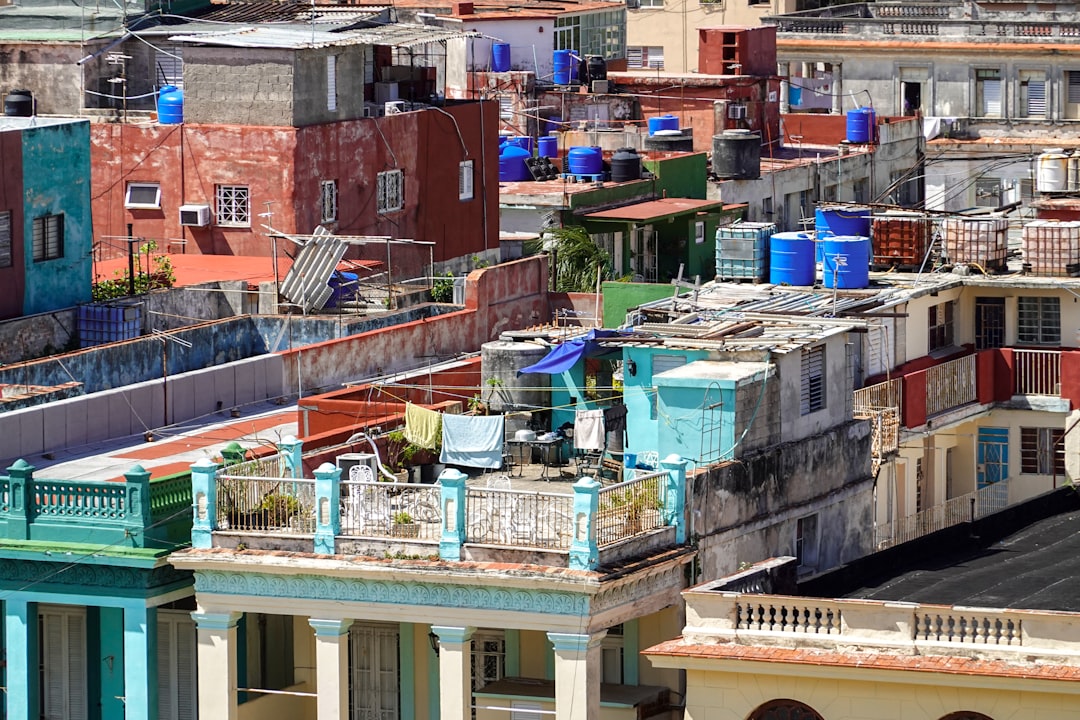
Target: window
(766, 208)
(1042, 451)
(716, 3)
(331, 83)
(663, 363)
(812, 392)
(1032, 100)
(1039, 321)
(63, 663)
(600, 32)
(176, 666)
(645, 56)
(488, 658)
(699, 233)
(652, 3)
(233, 205)
(988, 192)
(329, 200)
(611, 656)
(465, 180)
(48, 237)
(169, 65)
(5, 239)
(390, 191)
(806, 542)
(940, 327)
(143, 196)
(1072, 95)
(373, 663)
(988, 93)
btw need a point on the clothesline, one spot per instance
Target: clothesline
(568, 406)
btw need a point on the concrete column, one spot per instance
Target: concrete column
(452, 499)
(140, 664)
(675, 495)
(584, 548)
(23, 659)
(327, 508)
(837, 89)
(331, 667)
(217, 648)
(204, 503)
(137, 489)
(783, 69)
(578, 670)
(291, 450)
(21, 489)
(455, 672)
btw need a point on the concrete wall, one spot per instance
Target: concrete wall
(48, 70)
(253, 87)
(747, 510)
(838, 387)
(531, 43)
(56, 181)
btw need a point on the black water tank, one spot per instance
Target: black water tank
(737, 155)
(625, 165)
(597, 66)
(19, 103)
(683, 142)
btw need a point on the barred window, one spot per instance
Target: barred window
(329, 200)
(233, 205)
(940, 326)
(48, 237)
(1042, 451)
(390, 191)
(1039, 321)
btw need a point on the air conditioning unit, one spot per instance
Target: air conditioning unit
(347, 461)
(369, 111)
(394, 107)
(633, 4)
(195, 215)
(600, 87)
(736, 112)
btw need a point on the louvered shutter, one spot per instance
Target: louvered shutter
(634, 57)
(1036, 98)
(63, 633)
(1073, 90)
(655, 58)
(166, 673)
(186, 698)
(812, 394)
(5, 239)
(663, 363)
(991, 98)
(331, 83)
(170, 66)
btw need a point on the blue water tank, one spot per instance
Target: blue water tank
(500, 57)
(663, 122)
(791, 259)
(522, 141)
(840, 220)
(512, 167)
(170, 105)
(585, 161)
(548, 146)
(553, 124)
(846, 262)
(860, 125)
(794, 95)
(565, 67)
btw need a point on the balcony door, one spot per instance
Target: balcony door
(373, 691)
(993, 463)
(63, 662)
(989, 323)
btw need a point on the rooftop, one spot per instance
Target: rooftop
(296, 37)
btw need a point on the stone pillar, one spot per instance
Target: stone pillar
(452, 499)
(23, 659)
(455, 672)
(783, 70)
(675, 495)
(21, 487)
(331, 667)
(327, 508)
(837, 89)
(578, 670)
(137, 490)
(140, 663)
(204, 503)
(584, 549)
(217, 650)
(291, 451)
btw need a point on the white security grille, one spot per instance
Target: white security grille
(233, 205)
(390, 191)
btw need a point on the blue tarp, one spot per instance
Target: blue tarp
(565, 355)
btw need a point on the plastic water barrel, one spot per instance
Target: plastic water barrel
(860, 125)
(625, 165)
(548, 146)
(512, 167)
(794, 95)
(585, 161)
(564, 67)
(19, 103)
(791, 259)
(500, 57)
(663, 123)
(524, 142)
(851, 220)
(170, 105)
(846, 262)
(553, 124)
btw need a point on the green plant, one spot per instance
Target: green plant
(280, 505)
(442, 290)
(162, 275)
(402, 518)
(576, 259)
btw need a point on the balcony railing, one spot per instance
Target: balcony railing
(950, 385)
(276, 505)
(1037, 372)
(888, 394)
(631, 508)
(390, 510)
(964, 508)
(519, 518)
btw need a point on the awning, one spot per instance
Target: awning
(564, 356)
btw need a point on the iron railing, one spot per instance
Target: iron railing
(950, 385)
(1037, 372)
(963, 508)
(631, 508)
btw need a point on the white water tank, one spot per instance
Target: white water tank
(1052, 172)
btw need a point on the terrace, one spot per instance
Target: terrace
(583, 524)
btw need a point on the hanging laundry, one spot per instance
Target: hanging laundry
(615, 418)
(423, 427)
(472, 440)
(589, 430)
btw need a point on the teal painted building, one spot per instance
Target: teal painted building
(45, 221)
(97, 623)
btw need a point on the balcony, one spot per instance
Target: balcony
(977, 379)
(261, 505)
(963, 508)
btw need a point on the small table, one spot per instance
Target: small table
(550, 453)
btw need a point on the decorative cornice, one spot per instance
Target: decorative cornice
(311, 587)
(88, 577)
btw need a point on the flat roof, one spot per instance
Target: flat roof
(657, 209)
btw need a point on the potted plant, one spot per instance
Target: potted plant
(404, 526)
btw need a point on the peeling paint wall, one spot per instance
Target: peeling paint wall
(748, 510)
(48, 70)
(56, 181)
(12, 278)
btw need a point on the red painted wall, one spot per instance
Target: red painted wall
(1070, 377)
(285, 166)
(12, 279)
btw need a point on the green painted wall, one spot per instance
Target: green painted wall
(56, 180)
(680, 176)
(105, 669)
(618, 297)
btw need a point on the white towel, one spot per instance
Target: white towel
(589, 430)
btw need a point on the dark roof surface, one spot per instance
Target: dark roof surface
(1035, 568)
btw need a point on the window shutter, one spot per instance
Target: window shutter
(1036, 100)
(331, 83)
(170, 66)
(186, 699)
(53, 660)
(991, 97)
(662, 363)
(1073, 91)
(656, 57)
(634, 56)
(5, 239)
(166, 679)
(812, 395)
(76, 670)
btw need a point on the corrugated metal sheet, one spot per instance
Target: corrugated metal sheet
(296, 37)
(307, 283)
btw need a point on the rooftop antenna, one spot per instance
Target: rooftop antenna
(165, 339)
(269, 215)
(116, 58)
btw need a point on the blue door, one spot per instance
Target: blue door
(993, 468)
